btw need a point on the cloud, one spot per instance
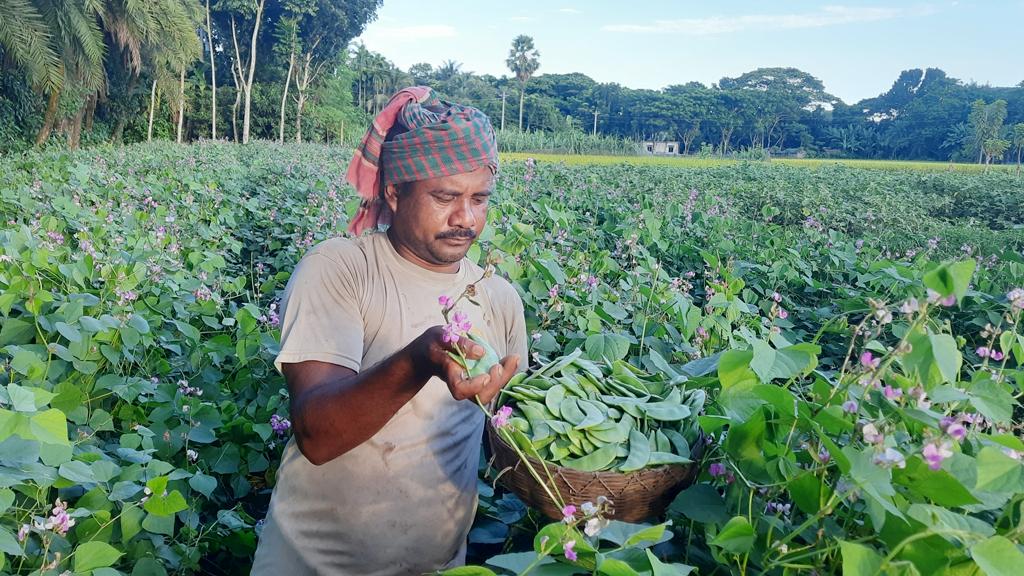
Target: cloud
(404, 34)
(570, 11)
(826, 16)
(521, 18)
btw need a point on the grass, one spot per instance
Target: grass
(705, 162)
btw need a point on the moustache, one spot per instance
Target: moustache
(457, 233)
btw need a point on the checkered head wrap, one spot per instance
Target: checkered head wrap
(415, 137)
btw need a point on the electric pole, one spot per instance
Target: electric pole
(503, 94)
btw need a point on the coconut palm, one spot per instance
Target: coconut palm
(523, 60)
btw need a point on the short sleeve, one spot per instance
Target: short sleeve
(517, 332)
(320, 314)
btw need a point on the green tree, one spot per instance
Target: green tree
(523, 60)
(986, 121)
(1018, 142)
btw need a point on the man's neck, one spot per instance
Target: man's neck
(406, 253)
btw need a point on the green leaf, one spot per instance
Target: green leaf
(947, 356)
(659, 568)
(159, 524)
(938, 486)
(148, 567)
(737, 536)
(6, 499)
(468, 571)
(50, 427)
(997, 472)
(606, 346)
(701, 503)
(652, 534)
(131, 521)
(734, 368)
(8, 543)
(615, 567)
(952, 278)
(166, 505)
(998, 556)
(203, 484)
(745, 444)
(92, 555)
(941, 518)
(859, 560)
(993, 401)
(77, 471)
(68, 331)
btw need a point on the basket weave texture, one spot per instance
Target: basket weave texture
(635, 496)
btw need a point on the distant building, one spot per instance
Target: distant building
(661, 147)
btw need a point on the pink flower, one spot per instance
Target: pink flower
(996, 355)
(776, 297)
(892, 393)
(500, 418)
(567, 549)
(850, 406)
(983, 351)
(59, 520)
(717, 469)
(948, 300)
(591, 282)
(444, 301)
(783, 314)
(890, 458)
(23, 532)
(568, 513)
(934, 454)
(553, 292)
(957, 431)
(871, 434)
(868, 360)
(458, 326)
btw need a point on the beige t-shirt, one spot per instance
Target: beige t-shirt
(403, 501)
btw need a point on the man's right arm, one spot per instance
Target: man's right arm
(334, 409)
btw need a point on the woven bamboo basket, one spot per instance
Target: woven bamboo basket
(635, 496)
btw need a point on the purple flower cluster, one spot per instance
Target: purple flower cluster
(280, 425)
(187, 390)
(458, 326)
(986, 352)
(203, 294)
(500, 418)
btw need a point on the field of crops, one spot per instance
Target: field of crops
(856, 334)
(713, 161)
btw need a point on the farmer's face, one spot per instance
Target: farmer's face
(437, 220)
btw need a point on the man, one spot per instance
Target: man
(380, 477)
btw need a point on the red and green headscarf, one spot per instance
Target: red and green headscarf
(428, 138)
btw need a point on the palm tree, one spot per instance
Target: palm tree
(448, 70)
(523, 60)
(26, 39)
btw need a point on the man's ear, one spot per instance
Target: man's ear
(391, 192)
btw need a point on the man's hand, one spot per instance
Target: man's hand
(435, 361)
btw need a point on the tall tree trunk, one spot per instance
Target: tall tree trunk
(90, 111)
(247, 114)
(152, 111)
(48, 118)
(74, 130)
(1018, 159)
(213, 76)
(181, 104)
(284, 96)
(522, 98)
(118, 134)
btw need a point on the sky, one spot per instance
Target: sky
(856, 48)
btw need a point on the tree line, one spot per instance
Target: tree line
(122, 71)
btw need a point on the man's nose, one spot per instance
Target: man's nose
(463, 216)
